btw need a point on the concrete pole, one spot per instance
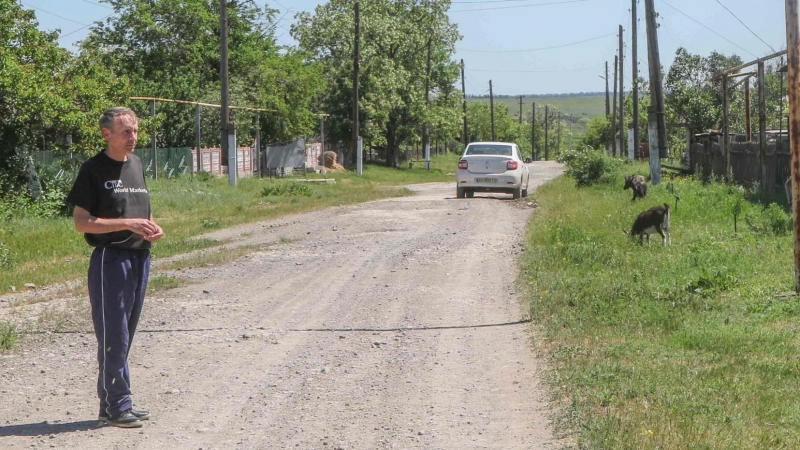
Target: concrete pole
(762, 131)
(154, 157)
(614, 111)
(197, 137)
(635, 76)
(622, 140)
(726, 139)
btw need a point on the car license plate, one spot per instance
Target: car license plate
(486, 180)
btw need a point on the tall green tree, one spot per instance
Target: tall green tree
(171, 49)
(395, 36)
(45, 93)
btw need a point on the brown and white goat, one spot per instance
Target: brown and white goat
(637, 184)
(654, 220)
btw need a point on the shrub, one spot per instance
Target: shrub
(772, 220)
(287, 188)
(588, 166)
(8, 335)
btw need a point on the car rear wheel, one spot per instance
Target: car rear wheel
(525, 193)
(470, 194)
(517, 192)
(460, 192)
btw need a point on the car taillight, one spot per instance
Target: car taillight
(512, 165)
(463, 164)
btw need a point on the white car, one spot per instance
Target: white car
(492, 167)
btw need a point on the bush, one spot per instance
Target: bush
(8, 335)
(287, 188)
(772, 220)
(588, 166)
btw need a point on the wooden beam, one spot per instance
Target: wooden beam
(748, 64)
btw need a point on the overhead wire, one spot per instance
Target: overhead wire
(539, 49)
(52, 14)
(520, 6)
(745, 25)
(707, 28)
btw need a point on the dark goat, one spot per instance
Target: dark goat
(654, 220)
(637, 184)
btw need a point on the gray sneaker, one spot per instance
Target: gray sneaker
(124, 420)
(140, 414)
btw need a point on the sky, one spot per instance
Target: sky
(536, 46)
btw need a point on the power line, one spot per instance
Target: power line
(707, 28)
(84, 27)
(98, 4)
(533, 71)
(745, 25)
(52, 14)
(539, 49)
(520, 6)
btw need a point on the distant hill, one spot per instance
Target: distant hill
(583, 105)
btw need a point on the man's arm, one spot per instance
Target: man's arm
(87, 223)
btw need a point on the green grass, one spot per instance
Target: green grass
(690, 346)
(47, 251)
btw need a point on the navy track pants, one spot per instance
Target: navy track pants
(117, 284)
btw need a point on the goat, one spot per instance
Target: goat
(654, 220)
(637, 184)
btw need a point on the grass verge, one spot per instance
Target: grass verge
(47, 251)
(687, 346)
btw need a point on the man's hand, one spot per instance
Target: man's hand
(157, 234)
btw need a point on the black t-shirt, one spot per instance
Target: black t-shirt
(112, 189)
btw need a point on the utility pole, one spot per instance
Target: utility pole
(570, 131)
(520, 110)
(614, 110)
(322, 143)
(546, 129)
(465, 140)
(258, 139)
(748, 127)
(622, 139)
(426, 138)
(154, 150)
(793, 61)
(762, 129)
(356, 67)
(197, 137)
(228, 132)
(533, 132)
(558, 141)
(608, 103)
(491, 107)
(657, 112)
(635, 99)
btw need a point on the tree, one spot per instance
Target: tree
(394, 40)
(45, 93)
(171, 49)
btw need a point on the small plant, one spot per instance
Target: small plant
(708, 284)
(203, 176)
(8, 335)
(287, 188)
(5, 256)
(209, 222)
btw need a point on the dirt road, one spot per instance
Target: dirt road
(387, 325)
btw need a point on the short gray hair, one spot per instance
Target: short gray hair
(110, 115)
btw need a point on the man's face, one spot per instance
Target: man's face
(123, 134)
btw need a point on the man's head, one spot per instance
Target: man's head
(120, 128)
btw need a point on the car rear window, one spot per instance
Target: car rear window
(490, 149)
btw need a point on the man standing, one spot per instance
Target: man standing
(112, 209)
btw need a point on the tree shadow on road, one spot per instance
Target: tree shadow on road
(45, 428)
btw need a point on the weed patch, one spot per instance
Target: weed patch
(8, 335)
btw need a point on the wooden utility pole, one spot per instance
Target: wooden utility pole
(546, 129)
(614, 110)
(520, 110)
(356, 67)
(465, 140)
(533, 132)
(657, 111)
(748, 127)
(635, 76)
(258, 140)
(558, 140)
(622, 130)
(793, 48)
(491, 108)
(608, 103)
(762, 130)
